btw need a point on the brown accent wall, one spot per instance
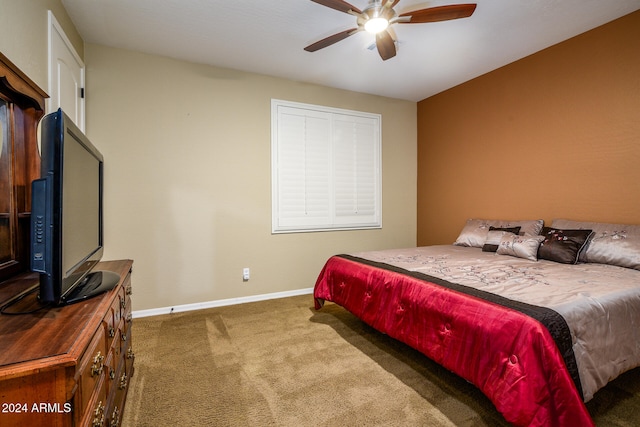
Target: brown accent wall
(556, 134)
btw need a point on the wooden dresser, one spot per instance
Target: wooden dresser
(66, 366)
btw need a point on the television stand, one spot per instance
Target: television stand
(94, 284)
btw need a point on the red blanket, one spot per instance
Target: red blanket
(508, 355)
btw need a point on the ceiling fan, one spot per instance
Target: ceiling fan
(378, 17)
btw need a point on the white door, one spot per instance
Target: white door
(66, 75)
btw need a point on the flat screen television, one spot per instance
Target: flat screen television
(67, 215)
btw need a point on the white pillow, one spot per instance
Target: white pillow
(520, 246)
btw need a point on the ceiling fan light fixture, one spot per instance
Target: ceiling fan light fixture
(376, 25)
(379, 16)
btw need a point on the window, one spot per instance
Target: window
(326, 172)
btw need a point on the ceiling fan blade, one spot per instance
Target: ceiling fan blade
(328, 41)
(339, 5)
(439, 13)
(386, 46)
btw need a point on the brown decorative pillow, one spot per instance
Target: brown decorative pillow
(495, 235)
(562, 246)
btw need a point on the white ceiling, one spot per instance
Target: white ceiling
(268, 37)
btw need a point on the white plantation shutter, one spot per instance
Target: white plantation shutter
(354, 160)
(325, 168)
(303, 162)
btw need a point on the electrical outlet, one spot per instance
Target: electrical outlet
(246, 274)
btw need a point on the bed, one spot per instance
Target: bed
(538, 318)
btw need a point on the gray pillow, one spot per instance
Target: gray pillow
(475, 231)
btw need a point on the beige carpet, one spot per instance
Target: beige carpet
(281, 363)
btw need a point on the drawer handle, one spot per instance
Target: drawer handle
(128, 290)
(123, 303)
(123, 382)
(112, 374)
(130, 353)
(98, 364)
(98, 415)
(124, 337)
(115, 418)
(112, 332)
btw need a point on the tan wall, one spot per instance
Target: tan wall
(556, 134)
(188, 192)
(25, 34)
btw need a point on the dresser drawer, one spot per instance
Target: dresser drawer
(125, 296)
(126, 325)
(116, 357)
(118, 384)
(111, 321)
(96, 414)
(91, 372)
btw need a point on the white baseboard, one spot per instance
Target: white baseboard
(219, 303)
